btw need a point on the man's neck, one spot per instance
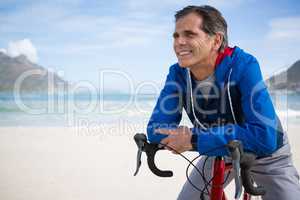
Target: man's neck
(202, 71)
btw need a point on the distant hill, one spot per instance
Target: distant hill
(35, 76)
(289, 79)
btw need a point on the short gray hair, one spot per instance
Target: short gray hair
(213, 21)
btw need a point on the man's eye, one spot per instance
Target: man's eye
(189, 35)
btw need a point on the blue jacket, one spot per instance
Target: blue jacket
(258, 126)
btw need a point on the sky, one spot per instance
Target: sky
(128, 43)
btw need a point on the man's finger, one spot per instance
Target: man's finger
(165, 140)
(165, 131)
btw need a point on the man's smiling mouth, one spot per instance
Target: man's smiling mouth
(184, 53)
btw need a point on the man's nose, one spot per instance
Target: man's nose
(180, 40)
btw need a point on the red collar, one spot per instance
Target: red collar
(226, 52)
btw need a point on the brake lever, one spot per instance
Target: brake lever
(138, 162)
(237, 178)
(140, 140)
(235, 149)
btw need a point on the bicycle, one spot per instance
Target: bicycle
(240, 165)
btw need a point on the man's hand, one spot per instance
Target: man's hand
(178, 139)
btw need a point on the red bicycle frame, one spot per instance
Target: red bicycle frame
(219, 170)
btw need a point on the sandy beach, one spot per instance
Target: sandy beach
(71, 163)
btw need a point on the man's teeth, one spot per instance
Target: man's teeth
(182, 53)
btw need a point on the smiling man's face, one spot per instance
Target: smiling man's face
(193, 47)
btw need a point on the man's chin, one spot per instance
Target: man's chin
(183, 65)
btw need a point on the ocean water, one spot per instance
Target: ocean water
(74, 110)
(93, 109)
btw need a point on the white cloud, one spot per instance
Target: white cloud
(67, 28)
(287, 28)
(139, 24)
(22, 47)
(3, 51)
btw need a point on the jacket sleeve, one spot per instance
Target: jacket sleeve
(259, 131)
(167, 112)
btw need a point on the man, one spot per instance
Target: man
(224, 96)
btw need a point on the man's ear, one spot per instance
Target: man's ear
(218, 39)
